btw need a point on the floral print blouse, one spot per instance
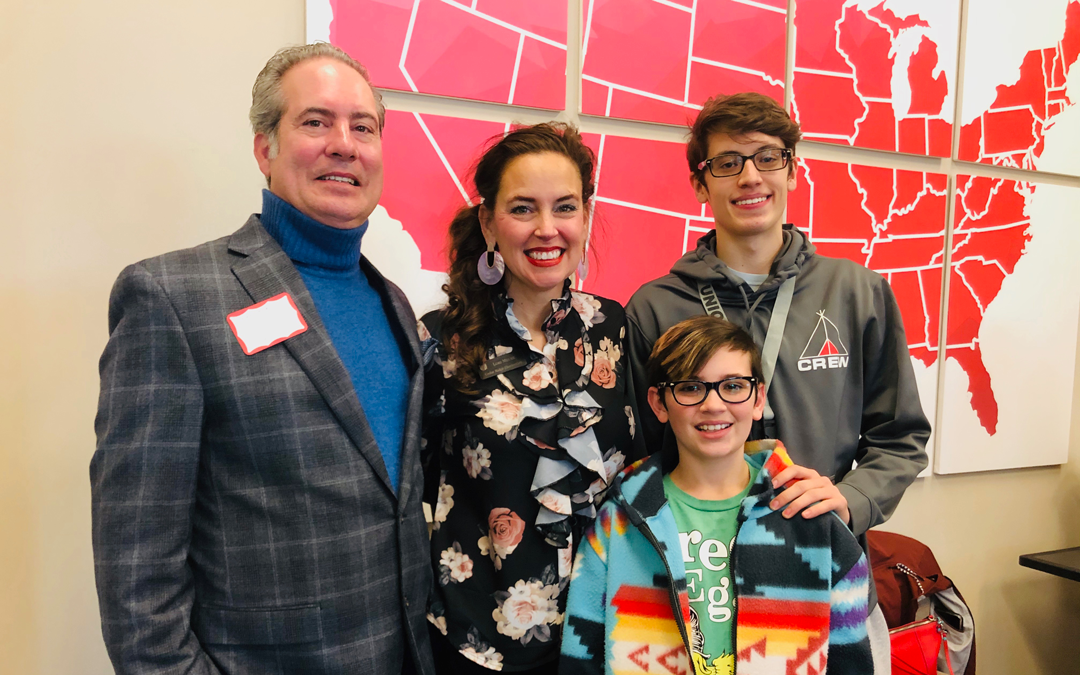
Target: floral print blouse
(515, 470)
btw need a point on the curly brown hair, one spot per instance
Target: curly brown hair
(469, 317)
(738, 114)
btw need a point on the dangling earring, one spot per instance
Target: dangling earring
(583, 266)
(490, 266)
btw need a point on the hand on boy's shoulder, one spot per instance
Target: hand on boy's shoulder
(808, 492)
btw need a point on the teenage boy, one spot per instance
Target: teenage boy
(702, 568)
(838, 374)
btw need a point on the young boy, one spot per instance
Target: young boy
(694, 567)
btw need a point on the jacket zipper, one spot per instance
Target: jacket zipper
(734, 597)
(673, 596)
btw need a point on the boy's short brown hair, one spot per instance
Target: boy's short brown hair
(738, 114)
(685, 348)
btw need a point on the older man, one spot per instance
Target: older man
(256, 484)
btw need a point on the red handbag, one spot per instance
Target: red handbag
(910, 587)
(915, 646)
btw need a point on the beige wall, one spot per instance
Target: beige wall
(123, 135)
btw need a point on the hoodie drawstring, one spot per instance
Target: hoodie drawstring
(750, 308)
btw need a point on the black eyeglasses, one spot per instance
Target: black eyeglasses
(731, 163)
(729, 389)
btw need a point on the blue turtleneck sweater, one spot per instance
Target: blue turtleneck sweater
(328, 260)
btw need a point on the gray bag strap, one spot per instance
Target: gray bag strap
(710, 302)
(770, 351)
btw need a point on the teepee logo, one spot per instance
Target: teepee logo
(825, 348)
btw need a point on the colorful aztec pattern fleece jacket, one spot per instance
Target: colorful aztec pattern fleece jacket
(800, 587)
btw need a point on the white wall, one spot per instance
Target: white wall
(123, 134)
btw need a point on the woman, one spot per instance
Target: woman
(527, 413)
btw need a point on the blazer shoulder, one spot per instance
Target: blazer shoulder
(196, 260)
(180, 260)
(193, 280)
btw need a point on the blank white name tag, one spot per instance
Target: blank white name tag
(267, 323)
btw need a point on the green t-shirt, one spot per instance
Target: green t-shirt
(707, 531)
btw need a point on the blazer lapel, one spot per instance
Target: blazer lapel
(401, 314)
(264, 270)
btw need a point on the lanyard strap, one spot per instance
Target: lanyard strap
(773, 336)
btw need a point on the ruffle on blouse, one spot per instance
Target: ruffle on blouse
(572, 471)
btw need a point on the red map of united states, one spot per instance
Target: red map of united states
(893, 221)
(486, 50)
(658, 60)
(844, 91)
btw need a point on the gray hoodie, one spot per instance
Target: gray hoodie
(843, 390)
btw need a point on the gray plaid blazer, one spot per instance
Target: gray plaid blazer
(243, 519)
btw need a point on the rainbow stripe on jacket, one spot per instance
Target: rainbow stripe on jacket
(801, 586)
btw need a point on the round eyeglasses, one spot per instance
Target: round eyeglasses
(694, 392)
(731, 163)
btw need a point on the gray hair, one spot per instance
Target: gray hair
(267, 101)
